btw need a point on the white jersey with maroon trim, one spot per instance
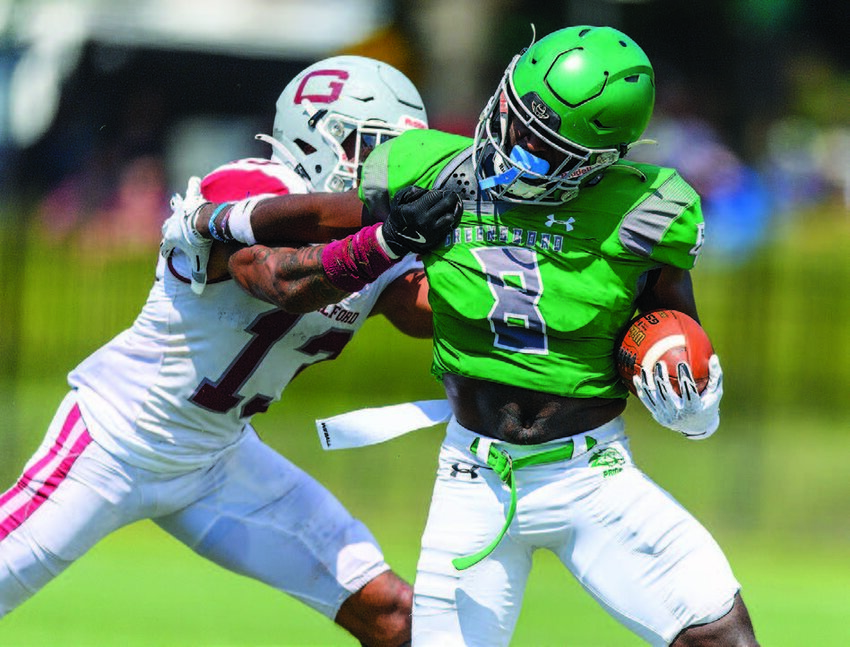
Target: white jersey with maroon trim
(178, 386)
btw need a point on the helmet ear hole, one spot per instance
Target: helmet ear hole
(306, 147)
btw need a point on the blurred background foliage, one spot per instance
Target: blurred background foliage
(107, 107)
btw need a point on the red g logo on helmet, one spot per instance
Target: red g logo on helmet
(318, 88)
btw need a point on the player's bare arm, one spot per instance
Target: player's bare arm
(669, 287)
(302, 280)
(303, 218)
(198, 226)
(418, 219)
(404, 302)
(294, 280)
(290, 278)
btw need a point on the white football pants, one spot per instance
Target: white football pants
(641, 556)
(252, 511)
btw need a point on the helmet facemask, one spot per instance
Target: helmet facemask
(519, 176)
(349, 140)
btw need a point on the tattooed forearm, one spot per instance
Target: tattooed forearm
(290, 278)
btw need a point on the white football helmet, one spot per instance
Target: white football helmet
(332, 114)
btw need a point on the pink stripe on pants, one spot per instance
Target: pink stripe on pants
(22, 500)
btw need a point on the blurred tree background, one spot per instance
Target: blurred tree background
(106, 108)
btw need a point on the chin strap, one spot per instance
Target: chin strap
(523, 160)
(641, 142)
(629, 168)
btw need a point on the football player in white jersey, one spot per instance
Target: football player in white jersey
(157, 422)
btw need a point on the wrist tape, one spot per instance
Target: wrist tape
(356, 260)
(239, 220)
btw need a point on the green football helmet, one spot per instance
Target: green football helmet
(586, 92)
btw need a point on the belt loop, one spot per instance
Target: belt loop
(482, 451)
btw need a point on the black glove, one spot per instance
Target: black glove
(420, 219)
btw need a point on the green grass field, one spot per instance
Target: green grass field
(773, 484)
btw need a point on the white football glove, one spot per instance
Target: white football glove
(693, 415)
(179, 232)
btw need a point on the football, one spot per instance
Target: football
(665, 336)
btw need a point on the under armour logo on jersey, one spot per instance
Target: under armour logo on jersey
(472, 470)
(568, 224)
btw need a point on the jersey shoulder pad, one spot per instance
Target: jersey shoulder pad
(250, 176)
(416, 157)
(665, 222)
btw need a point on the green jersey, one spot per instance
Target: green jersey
(533, 295)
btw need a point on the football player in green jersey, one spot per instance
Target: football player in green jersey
(560, 241)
